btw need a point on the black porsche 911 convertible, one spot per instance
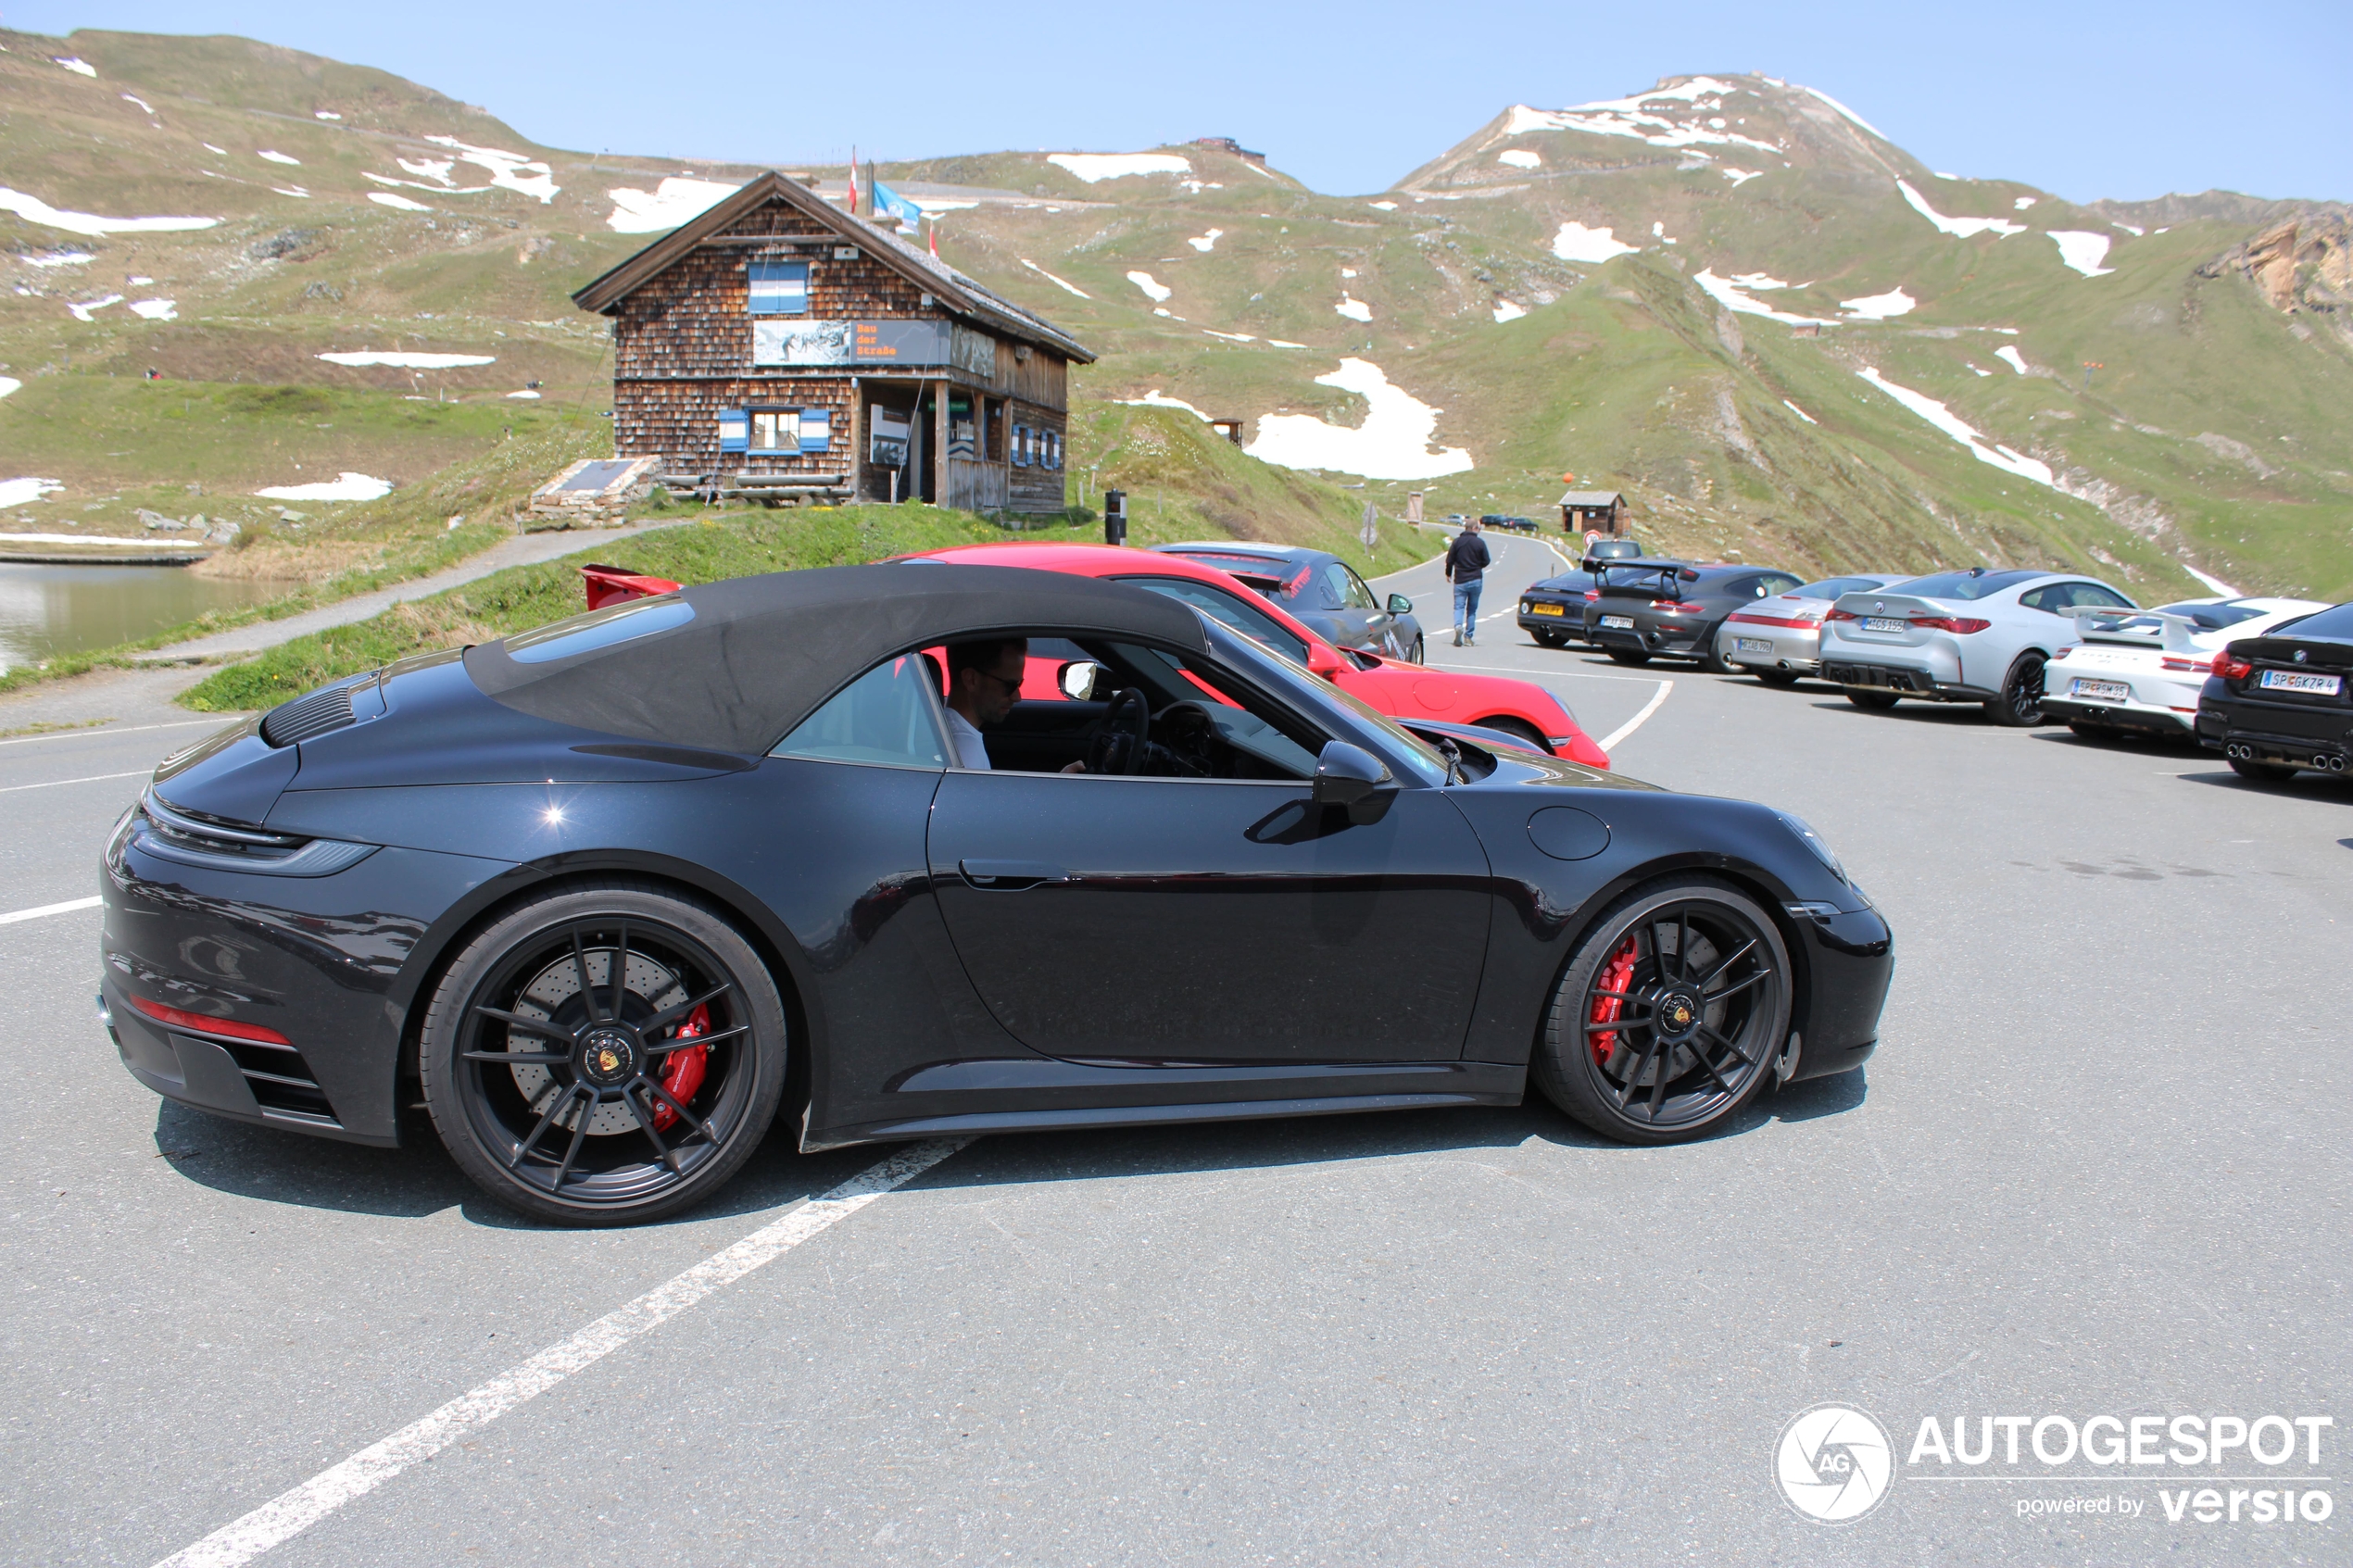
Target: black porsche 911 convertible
(605, 894)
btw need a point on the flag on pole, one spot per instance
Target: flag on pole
(933, 229)
(885, 200)
(853, 180)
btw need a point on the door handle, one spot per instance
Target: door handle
(1010, 876)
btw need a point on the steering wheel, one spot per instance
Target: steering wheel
(1118, 746)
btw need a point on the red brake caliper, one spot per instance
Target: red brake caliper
(1617, 975)
(681, 1074)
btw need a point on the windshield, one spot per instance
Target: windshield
(1959, 584)
(1288, 680)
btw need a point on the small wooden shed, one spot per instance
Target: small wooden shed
(1602, 510)
(775, 344)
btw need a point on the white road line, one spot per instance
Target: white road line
(218, 720)
(93, 777)
(291, 1512)
(65, 908)
(1628, 728)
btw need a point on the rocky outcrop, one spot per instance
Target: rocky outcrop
(2303, 264)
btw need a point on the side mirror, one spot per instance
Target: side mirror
(1346, 775)
(1322, 660)
(1400, 605)
(1079, 678)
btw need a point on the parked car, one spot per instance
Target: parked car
(1515, 524)
(1410, 694)
(2140, 674)
(1959, 636)
(1553, 610)
(1646, 608)
(601, 891)
(1622, 548)
(1780, 637)
(1320, 589)
(2282, 701)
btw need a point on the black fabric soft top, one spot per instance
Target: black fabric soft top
(760, 654)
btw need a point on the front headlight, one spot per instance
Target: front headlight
(1813, 841)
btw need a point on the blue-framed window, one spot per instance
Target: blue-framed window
(779, 288)
(782, 430)
(735, 431)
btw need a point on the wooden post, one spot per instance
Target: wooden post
(939, 447)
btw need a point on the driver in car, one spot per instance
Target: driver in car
(983, 682)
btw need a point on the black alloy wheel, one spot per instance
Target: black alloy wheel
(1670, 1013)
(604, 1055)
(1878, 702)
(1776, 677)
(1627, 656)
(1419, 652)
(2020, 705)
(2261, 772)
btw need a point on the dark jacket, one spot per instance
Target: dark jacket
(1466, 557)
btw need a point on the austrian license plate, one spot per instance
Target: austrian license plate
(1883, 623)
(1618, 622)
(1544, 610)
(1751, 644)
(2101, 691)
(2294, 681)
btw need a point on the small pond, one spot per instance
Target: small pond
(48, 611)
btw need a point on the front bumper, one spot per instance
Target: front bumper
(1850, 963)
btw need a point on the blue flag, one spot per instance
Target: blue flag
(888, 200)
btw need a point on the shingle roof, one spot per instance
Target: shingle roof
(1590, 498)
(956, 293)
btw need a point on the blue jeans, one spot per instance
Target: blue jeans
(1467, 608)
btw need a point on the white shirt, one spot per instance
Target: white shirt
(971, 750)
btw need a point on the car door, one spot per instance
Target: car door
(1363, 623)
(1143, 919)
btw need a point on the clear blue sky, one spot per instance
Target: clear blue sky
(2084, 100)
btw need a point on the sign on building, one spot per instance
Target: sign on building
(788, 342)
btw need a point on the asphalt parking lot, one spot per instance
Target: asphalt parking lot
(2096, 1169)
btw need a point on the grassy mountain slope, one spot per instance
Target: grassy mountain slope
(2212, 433)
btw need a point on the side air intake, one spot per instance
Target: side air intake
(307, 716)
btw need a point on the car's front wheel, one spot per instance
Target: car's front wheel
(604, 1055)
(2020, 705)
(1669, 1014)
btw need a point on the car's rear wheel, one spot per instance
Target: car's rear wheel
(2261, 772)
(1878, 702)
(2020, 705)
(1669, 1014)
(1776, 677)
(1712, 658)
(605, 1055)
(1627, 656)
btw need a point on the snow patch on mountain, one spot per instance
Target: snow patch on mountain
(1952, 424)
(1354, 309)
(2008, 354)
(1067, 287)
(1154, 288)
(17, 492)
(2083, 251)
(58, 259)
(1731, 297)
(1520, 157)
(1850, 114)
(385, 198)
(33, 209)
(81, 312)
(1205, 243)
(347, 487)
(1392, 443)
(1095, 167)
(406, 360)
(512, 172)
(665, 206)
(1880, 307)
(1626, 117)
(1507, 312)
(156, 310)
(1959, 228)
(1577, 242)
(267, 156)
(1155, 398)
(1740, 177)
(78, 67)
(1799, 412)
(143, 105)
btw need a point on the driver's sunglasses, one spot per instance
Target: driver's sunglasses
(1011, 685)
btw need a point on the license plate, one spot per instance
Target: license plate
(1618, 622)
(1544, 610)
(1881, 624)
(2293, 681)
(1751, 644)
(2101, 691)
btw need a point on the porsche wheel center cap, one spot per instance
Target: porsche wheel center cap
(1678, 1013)
(608, 1057)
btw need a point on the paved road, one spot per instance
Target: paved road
(2098, 1168)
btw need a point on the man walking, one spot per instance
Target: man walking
(1467, 563)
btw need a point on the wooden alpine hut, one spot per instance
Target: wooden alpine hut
(776, 345)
